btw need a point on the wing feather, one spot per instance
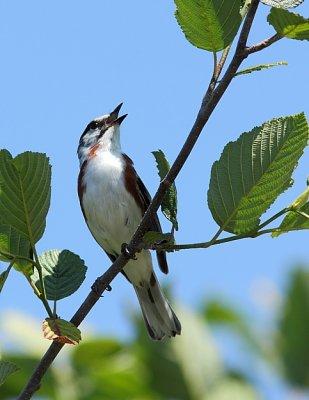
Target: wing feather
(136, 187)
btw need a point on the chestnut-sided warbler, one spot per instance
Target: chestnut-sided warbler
(113, 199)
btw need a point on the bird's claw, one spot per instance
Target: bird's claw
(125, 251)
(96, 287)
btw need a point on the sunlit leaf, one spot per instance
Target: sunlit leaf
(169, 203)
(298, 217)
(294, 221)
(253, 171)
(288, 24)
(61, 331)
(63, 273)
(210, 24)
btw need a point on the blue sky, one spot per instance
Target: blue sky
(64, 63)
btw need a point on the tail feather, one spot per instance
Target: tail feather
(159, 317)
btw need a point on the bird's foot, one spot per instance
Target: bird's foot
(97, 287)
(126, 252)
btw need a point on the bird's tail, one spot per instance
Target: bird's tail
(159, 317)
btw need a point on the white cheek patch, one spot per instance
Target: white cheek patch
(88, 140)
(90, 137)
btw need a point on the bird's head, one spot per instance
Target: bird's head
(103, 132)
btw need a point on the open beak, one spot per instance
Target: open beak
(114, 116)
(119, 120)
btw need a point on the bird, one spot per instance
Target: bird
(113, 200)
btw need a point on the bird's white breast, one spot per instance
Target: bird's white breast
(111, 212)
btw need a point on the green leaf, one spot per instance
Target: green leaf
(301, 200)
(199, 358)
(112, 368)
(297, 218)
(25, 192)
(293, 221)
(209, 24)
(293, 330)
(61, 331)
(169, 204)
(288, 24)
(191, 361)
(11, 242)
(283, 3)
(7, 368)
(63, 273)
(27, 364)
(231, 389)
(220, 313)
(160, 362)
(150, 238)
(254, 170)
(260, 67)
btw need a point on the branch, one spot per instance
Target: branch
(262, 45)
(209, 102)
(214, 241)
(205, 245)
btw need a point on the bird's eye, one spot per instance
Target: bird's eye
(92, 125)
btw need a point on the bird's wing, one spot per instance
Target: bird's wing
(138, 190)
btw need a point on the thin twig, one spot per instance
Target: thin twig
(11, 256)
(263, 44)
(274, 217)
(210, 100)
(5, 274)
(15, 258)
(222, 61)
(215, 59)
(55, 308)
(205, 245)
(215, 237)
(42, 295)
